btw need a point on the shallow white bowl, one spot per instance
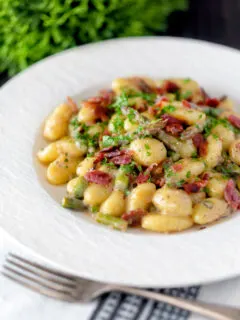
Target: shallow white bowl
(28, 207)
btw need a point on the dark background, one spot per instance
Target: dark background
(211, 20)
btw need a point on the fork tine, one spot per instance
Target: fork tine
(45, 284)
(42, 274)
(39, 289)
(45, 269)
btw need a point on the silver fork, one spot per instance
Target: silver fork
(69, 288)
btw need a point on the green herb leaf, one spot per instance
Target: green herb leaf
(188, 175)
(168, 109)
(186, 95)
(186, 80)
(180, 183)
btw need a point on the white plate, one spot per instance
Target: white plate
(29, 210)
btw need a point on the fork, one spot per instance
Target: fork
(62, 286)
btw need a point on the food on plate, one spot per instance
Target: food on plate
(157, 154)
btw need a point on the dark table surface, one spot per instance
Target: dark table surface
(211, 20)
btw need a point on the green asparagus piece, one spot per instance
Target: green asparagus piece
(72, 203)
(114, 222)
(80, 187)
(121, 181)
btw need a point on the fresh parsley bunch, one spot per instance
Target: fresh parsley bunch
(33, 29)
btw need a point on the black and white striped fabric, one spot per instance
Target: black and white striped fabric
(118, 306)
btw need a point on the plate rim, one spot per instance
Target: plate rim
(178, 39)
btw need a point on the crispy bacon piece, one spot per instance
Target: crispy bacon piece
(122, 159)
(106, 97)
(231, 195)
(99, 158)
(170, 87)
(134, 217)
(160, 101)
(152, 110)
(99, 110)
(212, 102)
(160, 182)
(197, 185)
(191, 187)
(72, 104)
(177, 167)
(107, 149)
(186, 104)
(144, 176)
(173, 125)
(99, 104)
(200, 143)
(234, 120)
(174, 129)
(159, 90)
(99, 177)
(114, 155)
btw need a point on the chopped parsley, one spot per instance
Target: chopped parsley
(188, 175)
(118, 123)
(148, 97)
(128, 168)
(213, 112)
(206, 189)
(215, 136)
(95, 209)
(212, 122)
(121, 101)
(127, 192)
(186, 95)
(180, 183)
(147, 147)
(108, 141)
(169, 172)
(131, 115)
(186, 80)
(74, 122)
(168, 109)
(194, 154)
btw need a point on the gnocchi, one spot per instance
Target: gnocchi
(166, 224)
(141, 196)
(216, 186)
(214, 151)
(225, 134)
(158, 154)
(209, 210)
(148, 151)
(172, 202)
(56, 125)
(234, 151)
(115, 204)
(48, 153)
(95, 194)
(61, 170)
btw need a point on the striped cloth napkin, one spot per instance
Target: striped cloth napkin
(17, 302)
(118, 306)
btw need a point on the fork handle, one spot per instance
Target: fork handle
(212, 311)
